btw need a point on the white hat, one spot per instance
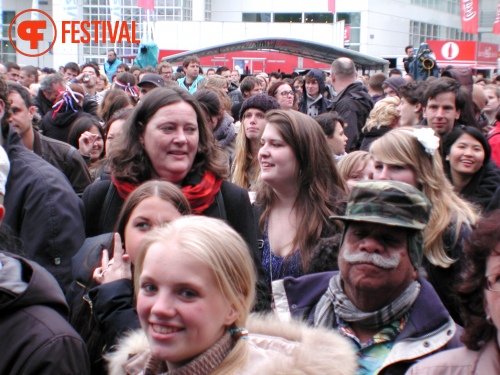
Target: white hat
(4, 169)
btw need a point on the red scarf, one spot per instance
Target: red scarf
(200, 196)
(124, 188)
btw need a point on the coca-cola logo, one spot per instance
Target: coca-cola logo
(469, 13)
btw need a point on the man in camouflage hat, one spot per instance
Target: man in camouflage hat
(377, 300)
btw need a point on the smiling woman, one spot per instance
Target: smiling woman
(467, 163)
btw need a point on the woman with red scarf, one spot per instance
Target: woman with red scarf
(166, 137)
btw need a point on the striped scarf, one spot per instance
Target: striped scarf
(336, 303)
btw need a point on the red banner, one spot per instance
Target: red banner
(496, 25)
(146, 4)
(331, 6)
(470, 16)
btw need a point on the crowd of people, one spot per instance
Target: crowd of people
(161, 220)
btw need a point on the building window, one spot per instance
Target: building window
(420, 32)
(447, 6)
(318, 17)
(256, 17)
(7, 52)
(354, 21)
(288, 17)
(208, 10)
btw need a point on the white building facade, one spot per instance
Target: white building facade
(377, 27)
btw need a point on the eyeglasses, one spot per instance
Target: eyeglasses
(493, 282)
(284, 94)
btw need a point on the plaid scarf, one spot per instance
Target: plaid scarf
(335, 302)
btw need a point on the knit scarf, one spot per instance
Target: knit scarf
(336, 303)
(225, 133)
(199, 196)
(203, 364)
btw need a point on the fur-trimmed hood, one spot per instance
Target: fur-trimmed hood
(275, 348)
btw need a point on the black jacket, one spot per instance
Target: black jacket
(42, 104)
(354, 105)
(59, 126)
(42, 208)
(36, 337)
(371, 136)
(64, 157)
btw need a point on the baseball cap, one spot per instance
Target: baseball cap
(153, 78)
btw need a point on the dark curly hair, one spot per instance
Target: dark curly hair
(482, 243)
(131, 163)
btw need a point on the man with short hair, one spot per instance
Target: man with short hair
(40, 204)
(210, 72)
(50, 87)
(353, 103)
(375, 86)
(393, 316)
(191, 66)
(275, 77)
(71, 70)
(13, 71)
(28, 75)
(165, 70)
(312, 102)
(149, 82)
(235, 77)
(88, 80)
(410, 56)
(443, 101)
(60, 154)
(410, 109)
(111, 65)
(395, 72)
(249, 86)
(122, 68)
(232, 88)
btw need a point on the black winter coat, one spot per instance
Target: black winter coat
(42, 208)
(354, 105)
(36, 337)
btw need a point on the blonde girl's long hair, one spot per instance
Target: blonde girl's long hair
(245, 169)
(401, 147)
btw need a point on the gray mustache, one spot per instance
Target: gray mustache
(373, 258)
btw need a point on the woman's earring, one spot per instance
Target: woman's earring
(489, 320)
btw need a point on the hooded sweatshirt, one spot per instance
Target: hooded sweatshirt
(36, 337)
(310, 106)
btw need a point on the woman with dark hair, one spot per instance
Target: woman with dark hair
(333, 127)
(127, 82)
(218, 120)
(113, 101)
(109, 297)
(167, 138)
(479, 294)
(284, 94)
(87, 136)
(299, 189)
(467, 163)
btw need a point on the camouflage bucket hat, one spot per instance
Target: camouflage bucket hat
(390, 203)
